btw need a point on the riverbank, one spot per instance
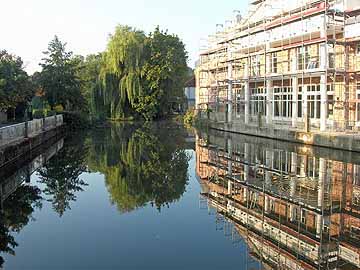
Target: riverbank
(20, 139)
(334, 140)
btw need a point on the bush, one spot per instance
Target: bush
(38, 114)
(59, 108)
(189, 118)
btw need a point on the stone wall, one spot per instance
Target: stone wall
(30, 129)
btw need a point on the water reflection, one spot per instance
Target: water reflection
(295, 207)
(141, 164)
(61, 174)
(18, 198)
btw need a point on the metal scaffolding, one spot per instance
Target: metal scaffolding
(291, 64)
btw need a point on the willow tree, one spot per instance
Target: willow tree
(122, 70)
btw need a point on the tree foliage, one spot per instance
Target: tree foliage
(15, 84)
(142, 74)
(59, 79)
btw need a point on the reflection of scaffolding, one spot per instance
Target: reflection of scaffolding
(288, 206)
(287, 63)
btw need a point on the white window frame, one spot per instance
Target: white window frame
(317, 101)
(279, 98)
(257, 100)
(274, 68)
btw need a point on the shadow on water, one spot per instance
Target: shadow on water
(295, 207)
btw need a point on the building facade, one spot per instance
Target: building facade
(288, 63)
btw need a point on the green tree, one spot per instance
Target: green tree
(59, 79)
(165, 74)
(15, 85)
(88, 72)
(122, 70)
(143, 75)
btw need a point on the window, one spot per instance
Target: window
(303, 216)
(240, 101)
(274, 63)
(330, 93)
(272, 205)
(258, 101)
(255, 65)
(283, 102)
(300, 102)
(303, 57)
(358, 49)
(314, 102)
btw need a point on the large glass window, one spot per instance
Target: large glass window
(274, 63)
(305, 60)
(314, 102)
(258, 101)
(283, 102)
(303, 57)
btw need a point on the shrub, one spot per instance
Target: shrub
(189, 118)
(38, 114)
(59, 108)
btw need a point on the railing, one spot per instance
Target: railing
(32, 128)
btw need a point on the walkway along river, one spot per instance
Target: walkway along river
(146, 197)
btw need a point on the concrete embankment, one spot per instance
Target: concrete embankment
(335, 140)
(18, 140)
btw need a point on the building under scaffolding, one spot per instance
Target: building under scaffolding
(292, 64)
(295, 207)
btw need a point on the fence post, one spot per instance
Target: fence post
(43, 125)
(26, 129)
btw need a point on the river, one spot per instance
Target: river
(157, 196)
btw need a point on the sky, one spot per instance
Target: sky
(27, 26)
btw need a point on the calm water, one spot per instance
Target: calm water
(157, 197)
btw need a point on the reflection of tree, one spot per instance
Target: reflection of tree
(141, 164)
(61, 174)
(16, 214)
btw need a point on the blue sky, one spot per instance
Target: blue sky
(27, 26)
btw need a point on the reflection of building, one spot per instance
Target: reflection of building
(295, 208)
(292, 63)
